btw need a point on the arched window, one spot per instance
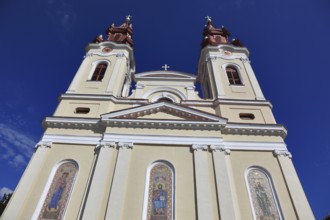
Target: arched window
(165, 99)
(59, 191)
(99, 72)
(160, 199)
(262, 195)
(233, 76)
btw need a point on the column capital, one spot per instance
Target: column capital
(221, 148)
(125, 145)
(283, 153)
(43, 144)
(196, 147)
(109, 144)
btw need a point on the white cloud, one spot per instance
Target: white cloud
(16, 147)
(5, 190)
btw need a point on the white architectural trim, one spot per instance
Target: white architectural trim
(165, 89)
(164, 95)
(206, 103)
(197, 147)
(220, 148)
(155, 107)
(48, 184)
(72, 139)
(161, 139)
(272, 187)
(255, 129)
(70, 122)
(249, 145)
(147, 184)
(284, 153)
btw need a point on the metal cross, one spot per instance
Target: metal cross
(128, 17)
(208, 18)
(165, 67)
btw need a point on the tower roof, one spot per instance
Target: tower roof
(122, 34)
(215, 36)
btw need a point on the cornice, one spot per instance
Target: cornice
(70, 123)
(163, 124)
(103, 98)
(255, 129)
(204, 103)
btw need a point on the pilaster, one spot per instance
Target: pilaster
(215, 77)
(118, 188)
(203, 191)
(296, 192)
(253, 79)
(98, 184)
(227, 197)
(26, 184)
(115, 75)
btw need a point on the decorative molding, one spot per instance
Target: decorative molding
(165, 89)
(220, 148)
(70, 122)
(197, 147)
(125, 145)
(284, 153)
(245, 60)
(161, 139)
(255, 129)
(108, 144)
(186, 112)
(72, 139)
(43, 144)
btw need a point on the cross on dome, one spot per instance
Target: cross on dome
(165, 67)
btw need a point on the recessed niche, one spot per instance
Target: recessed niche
(82, 110)
(246, 116)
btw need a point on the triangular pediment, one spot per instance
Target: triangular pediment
(164, 111)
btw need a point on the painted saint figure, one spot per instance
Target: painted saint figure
(263, 200)
(60, 186)
(159, 200)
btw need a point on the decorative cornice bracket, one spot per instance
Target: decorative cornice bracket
(283, 153)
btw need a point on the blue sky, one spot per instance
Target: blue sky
(42, 45)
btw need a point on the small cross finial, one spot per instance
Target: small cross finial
(165, 67)
(128, 17)
(208, 18)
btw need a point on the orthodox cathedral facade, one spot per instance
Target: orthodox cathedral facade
(160, 151)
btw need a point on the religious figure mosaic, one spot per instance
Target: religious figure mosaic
(59, 192)
(160, 193)
(263, 198)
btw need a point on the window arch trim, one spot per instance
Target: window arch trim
(272, 187)
(48, 185)
(238, 70)
(94, 66)
(147, 184)
(174, 91)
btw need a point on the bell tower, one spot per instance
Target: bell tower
(224, 68)
(108, 65)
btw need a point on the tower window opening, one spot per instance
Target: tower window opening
(246, 116)
(99, 72)
(82, 110)
(233, 76)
